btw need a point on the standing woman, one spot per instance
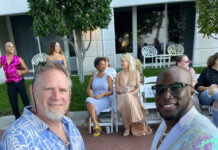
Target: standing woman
(208, 86)
(14, 68)
(55, 53)
(99, 90)
(128, 102)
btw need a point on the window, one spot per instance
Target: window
(123, 29)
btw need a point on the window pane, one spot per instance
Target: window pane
(150, 27)
(181, 24)
(123, 29)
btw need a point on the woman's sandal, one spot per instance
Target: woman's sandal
(97, 131)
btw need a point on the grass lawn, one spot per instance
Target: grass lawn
(78, 92)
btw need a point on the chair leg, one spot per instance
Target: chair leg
(117, 122)
(90, 127)
(156, 61)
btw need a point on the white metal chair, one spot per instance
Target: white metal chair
(148, 52)
(105, 122)
(41, 57)
(175, 50)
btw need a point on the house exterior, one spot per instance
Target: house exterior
(134, 23)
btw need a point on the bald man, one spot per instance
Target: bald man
(14, 68)
(183, 127)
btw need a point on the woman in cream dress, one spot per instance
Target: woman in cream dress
(128, 103)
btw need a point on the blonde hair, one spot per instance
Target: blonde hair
(130, 61)
(107, 59)
(138, 65)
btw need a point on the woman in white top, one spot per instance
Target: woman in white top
(109, 70)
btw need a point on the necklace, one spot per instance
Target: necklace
(162, 137)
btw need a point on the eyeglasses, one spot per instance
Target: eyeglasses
(188, 61)
(173, 89)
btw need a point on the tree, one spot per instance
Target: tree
(71, 20)
(208, 17)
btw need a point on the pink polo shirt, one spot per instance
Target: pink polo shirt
(11, 69)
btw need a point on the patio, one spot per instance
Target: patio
(114, 141)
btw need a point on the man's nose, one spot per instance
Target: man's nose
(55, 93)
(166, 94)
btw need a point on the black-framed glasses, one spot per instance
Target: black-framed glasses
(173, 89)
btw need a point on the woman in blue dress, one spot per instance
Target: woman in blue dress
(99, 90)
(55, 53)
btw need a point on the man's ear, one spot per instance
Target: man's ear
(31, 91)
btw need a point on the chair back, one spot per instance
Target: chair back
(41, 57)
(149, 51)
(175, 50)
(151, 79)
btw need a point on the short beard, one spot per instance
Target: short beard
(54, 114)
(178, 116)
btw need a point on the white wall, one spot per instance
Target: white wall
(9, 7)
(203, 47)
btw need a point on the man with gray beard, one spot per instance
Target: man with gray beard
(43, 125)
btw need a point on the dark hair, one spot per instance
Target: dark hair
(51, 48)
(97, 61)
(179, 58)
(211, 60)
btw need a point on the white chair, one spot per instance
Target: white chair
(41, 57)
(146, 91)
(175, 50)
(104, 122)
(148, 52)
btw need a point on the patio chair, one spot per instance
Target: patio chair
(175, 50)
(148, 52)
(41, 57)
(104, 122)
(146, 91)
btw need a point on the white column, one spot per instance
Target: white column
(134, 31)
(165, 28)
(10, 31)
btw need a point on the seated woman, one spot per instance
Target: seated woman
(55, 53)
(128, 102)
(208, 86)
(138, 66)
(99, 89)
(109, 70)
(183, 61)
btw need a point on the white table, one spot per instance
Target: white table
(163, 58)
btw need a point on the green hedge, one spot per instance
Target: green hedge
(78, 92)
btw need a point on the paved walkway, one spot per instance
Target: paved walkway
(114, 141)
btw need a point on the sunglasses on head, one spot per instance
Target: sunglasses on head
(173, 89)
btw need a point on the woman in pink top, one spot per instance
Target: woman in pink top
(14, 68)
(183, 61)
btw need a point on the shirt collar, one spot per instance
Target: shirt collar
(188, 117)
(36, 121)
